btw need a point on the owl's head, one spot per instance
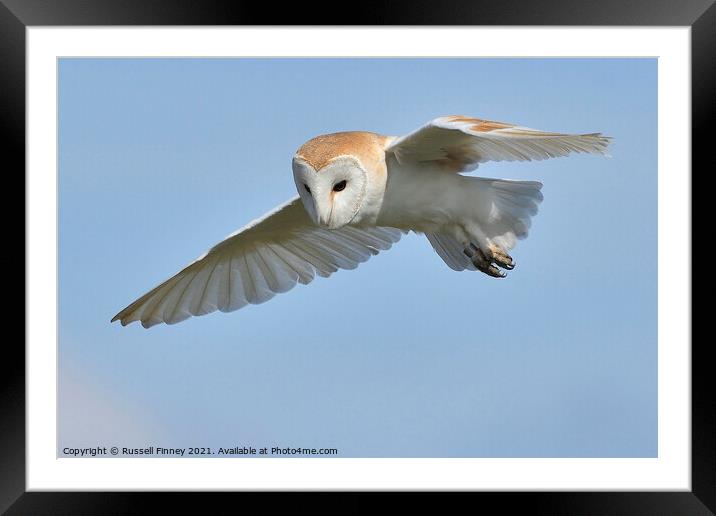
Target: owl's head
(332, 195)
(338, 175)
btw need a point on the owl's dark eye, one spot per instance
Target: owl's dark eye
(307, 189)
(339, 186)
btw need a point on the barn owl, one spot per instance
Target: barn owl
(358, 192)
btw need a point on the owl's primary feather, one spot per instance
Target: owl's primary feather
(460, 144)
(358, 191)
(267, 257)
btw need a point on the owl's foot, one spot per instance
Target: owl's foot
(501, 258)
(483, 263)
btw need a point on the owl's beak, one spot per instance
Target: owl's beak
(324, 217)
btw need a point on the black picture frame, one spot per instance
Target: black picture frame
(16, 15)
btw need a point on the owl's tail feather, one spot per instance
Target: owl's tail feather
(512, 204)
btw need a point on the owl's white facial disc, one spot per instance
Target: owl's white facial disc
(333, 195)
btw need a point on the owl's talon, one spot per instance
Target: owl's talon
(483, 260)
(494, 272)
(501, 258)
(505, 261)
(490, 270)
(482, 263)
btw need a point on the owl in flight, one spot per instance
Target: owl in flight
(358, 192)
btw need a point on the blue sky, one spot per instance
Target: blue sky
(159, 159)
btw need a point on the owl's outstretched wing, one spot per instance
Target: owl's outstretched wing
(460, 144)
(268, 256)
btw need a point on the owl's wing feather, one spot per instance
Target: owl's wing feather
(460, 144)
(268, 256)
(450, 251)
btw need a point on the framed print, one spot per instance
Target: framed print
(322, 148)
